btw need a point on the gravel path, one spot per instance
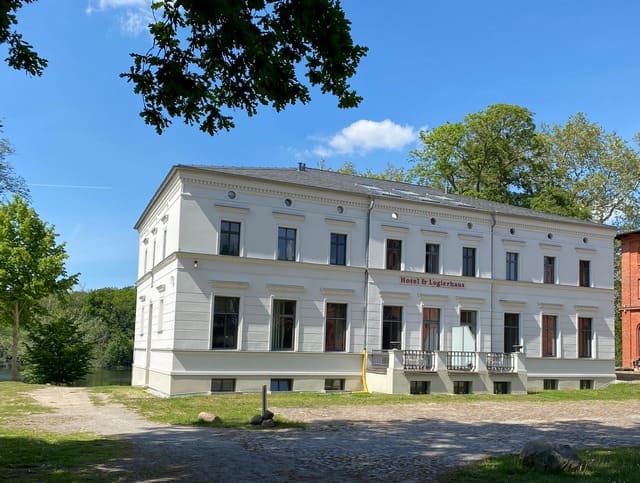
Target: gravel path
(415, 442)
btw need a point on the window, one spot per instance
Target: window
(586, 383)
(338, 254)
(334, 384)
(281, 385)
(150, 316)
(501, 387)
(549, 270)
(462, 387)
(146, 253)
(550, 384)
(164, 243)
(224, 334)
(336, 327)
(153, 254)
(391, 327)
(419, 387)
(160, 315)
(229, 238)
(585, 273)
(512, 266)
(468, 262)
(469, 317)
(511, 332)
(585, 336)
(548, 336)
(223, 385)
(394, 254)
(284, 323)
(430, 329)
(287, 244)
(432, 262)
(142, 320)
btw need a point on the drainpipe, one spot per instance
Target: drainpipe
(366, 292)
(493, 224)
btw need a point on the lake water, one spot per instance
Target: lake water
(98, 377)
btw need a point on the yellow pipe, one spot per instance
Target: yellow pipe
(364, 371)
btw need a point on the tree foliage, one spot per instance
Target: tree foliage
(211, 58)
(108, 314)
(22, 56)
(499, 154)
(32, 268)
(10, 182)
(492, 154)
(57, 352)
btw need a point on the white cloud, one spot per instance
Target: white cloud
(135, 18)
(364, 135)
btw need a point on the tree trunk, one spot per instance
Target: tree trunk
(14, 348)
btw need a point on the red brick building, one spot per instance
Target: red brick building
(630, 297)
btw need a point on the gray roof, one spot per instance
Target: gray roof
(379, 188)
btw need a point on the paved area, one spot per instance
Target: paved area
(416, 442)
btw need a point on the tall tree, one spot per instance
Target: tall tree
(597, 169)
(490, 155)
(10, 182)
(32, 267)
(210, 58)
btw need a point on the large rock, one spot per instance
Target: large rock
(256, 420)
(545, 456)
(268, 423)
(267, 415)
(208, 417)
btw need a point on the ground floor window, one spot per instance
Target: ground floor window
(284, 325)
(224, 334)
(391, 327)
(281, 385)
(334, 384)
(462, 387)
(430, 329)
(586, 383)
(223, 385)
(336, 327)
(419, 387)
(511, 332)
(501, 387)
(550, 384)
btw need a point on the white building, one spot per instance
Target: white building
(283, 277)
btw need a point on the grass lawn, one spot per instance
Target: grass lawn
(27, 455)
(599, 465)
(235, 410)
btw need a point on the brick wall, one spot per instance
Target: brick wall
(630, 297)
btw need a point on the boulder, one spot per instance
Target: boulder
(545, 456)
(208, 417)
(267, 415)
(268, 423)
(256, 420)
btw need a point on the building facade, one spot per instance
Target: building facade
(630, 298)
(309, 280)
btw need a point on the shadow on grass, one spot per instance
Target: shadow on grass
(55, 457)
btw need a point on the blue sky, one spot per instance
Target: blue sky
(92, 164)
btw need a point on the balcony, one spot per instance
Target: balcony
(453, 361)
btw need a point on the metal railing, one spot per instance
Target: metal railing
(461, 361)
(500, 362)
(377, 361)
(414, 360)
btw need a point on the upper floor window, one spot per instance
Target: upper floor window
(394, 254)
(338, 254)
(468, 261)
(336, 327)
(549, 270)
(432, 262)
(224, 333)
(548, 336)
(512, 266)
(229, 238)
(286, 243)
(585, 273)
(284, 324)
(164, 243)
(585, 337)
